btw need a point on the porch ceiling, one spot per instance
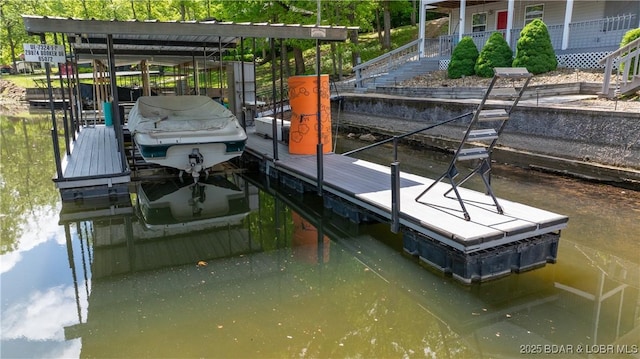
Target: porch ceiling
(455, 4)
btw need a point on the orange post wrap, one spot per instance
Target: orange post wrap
(303, 97)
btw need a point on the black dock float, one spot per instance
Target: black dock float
(489, 246)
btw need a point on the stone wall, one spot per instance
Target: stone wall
(603, 143)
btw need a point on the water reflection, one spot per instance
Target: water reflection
(314, 285)
(283, 278)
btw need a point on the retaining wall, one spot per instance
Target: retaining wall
(603, 145)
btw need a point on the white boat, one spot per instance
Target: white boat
(189, 133)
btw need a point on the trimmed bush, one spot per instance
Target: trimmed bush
(534, 50)
(463, 59)
(629, 37)
(495, 53)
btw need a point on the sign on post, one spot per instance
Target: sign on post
(44, 53)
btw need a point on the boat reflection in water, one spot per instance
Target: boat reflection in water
(175, 223)
(176, 204)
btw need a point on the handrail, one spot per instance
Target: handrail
(395, 168)
(397, 137)
(383, 62)
(385, 55)
(618, 52)
(609, 60)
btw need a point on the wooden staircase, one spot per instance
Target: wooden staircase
(486, 126)
(628, 61)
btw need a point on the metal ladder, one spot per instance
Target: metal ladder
(479, 130)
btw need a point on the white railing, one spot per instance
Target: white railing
(599, 33)
(584, 34)
(628, 59)
(384, 63)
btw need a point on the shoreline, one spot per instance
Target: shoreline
(385, 127)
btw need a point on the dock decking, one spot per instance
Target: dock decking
(94, 162)
(440, 221)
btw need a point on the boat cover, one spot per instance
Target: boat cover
(178, 113)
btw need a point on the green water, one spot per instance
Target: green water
(288, 280)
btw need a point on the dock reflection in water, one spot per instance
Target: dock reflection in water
(287, 280)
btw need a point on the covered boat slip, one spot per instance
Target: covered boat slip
(91, 168)
(368, 185)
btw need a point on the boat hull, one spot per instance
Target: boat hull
(176, 155)
(189, 133)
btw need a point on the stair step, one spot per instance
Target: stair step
(512, 72)
(503, 92)
(493, 115)
(473, 153)
(482, 135)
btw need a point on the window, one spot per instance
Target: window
(533, 12)
(479, 22)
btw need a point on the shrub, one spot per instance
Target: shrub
(534, 50)
(463, 59)
(495, 53)
(629, 37)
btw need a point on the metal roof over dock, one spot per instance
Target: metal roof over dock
(170, 42)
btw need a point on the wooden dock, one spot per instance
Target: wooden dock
(94, 168)
(434, 229)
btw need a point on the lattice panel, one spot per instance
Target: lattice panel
(583, 60)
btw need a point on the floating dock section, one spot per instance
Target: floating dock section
(488, 246)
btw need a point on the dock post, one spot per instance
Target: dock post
(115, 105)
(54, 124)
(320, 151)
(65, 120)
(395, 197)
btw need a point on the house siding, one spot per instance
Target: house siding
(583, 10)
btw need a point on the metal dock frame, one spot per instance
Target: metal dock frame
(478, 132)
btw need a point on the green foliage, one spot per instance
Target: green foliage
(534, 50)
(27, 161)
(463, 59)
(495, 53)
(628, 38)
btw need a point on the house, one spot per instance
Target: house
(582, 31)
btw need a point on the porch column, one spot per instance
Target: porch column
(463, 14)
(568, 12)
(510, 8)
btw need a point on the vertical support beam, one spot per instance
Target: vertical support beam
(115, 104)
(72, 113)
(568, 13)
(196, 77)
(463, 15)
(146, 84)
(243, 101)
(421, 27)
(78, 92)
(274, 124)
(282, 56)
(510, 9)
(395, 197)
(319, 150)
(54, 123)
(65, 120)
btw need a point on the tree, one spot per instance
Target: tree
(534, 50)
(386, 19)
(495, 53)
(463, 59)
